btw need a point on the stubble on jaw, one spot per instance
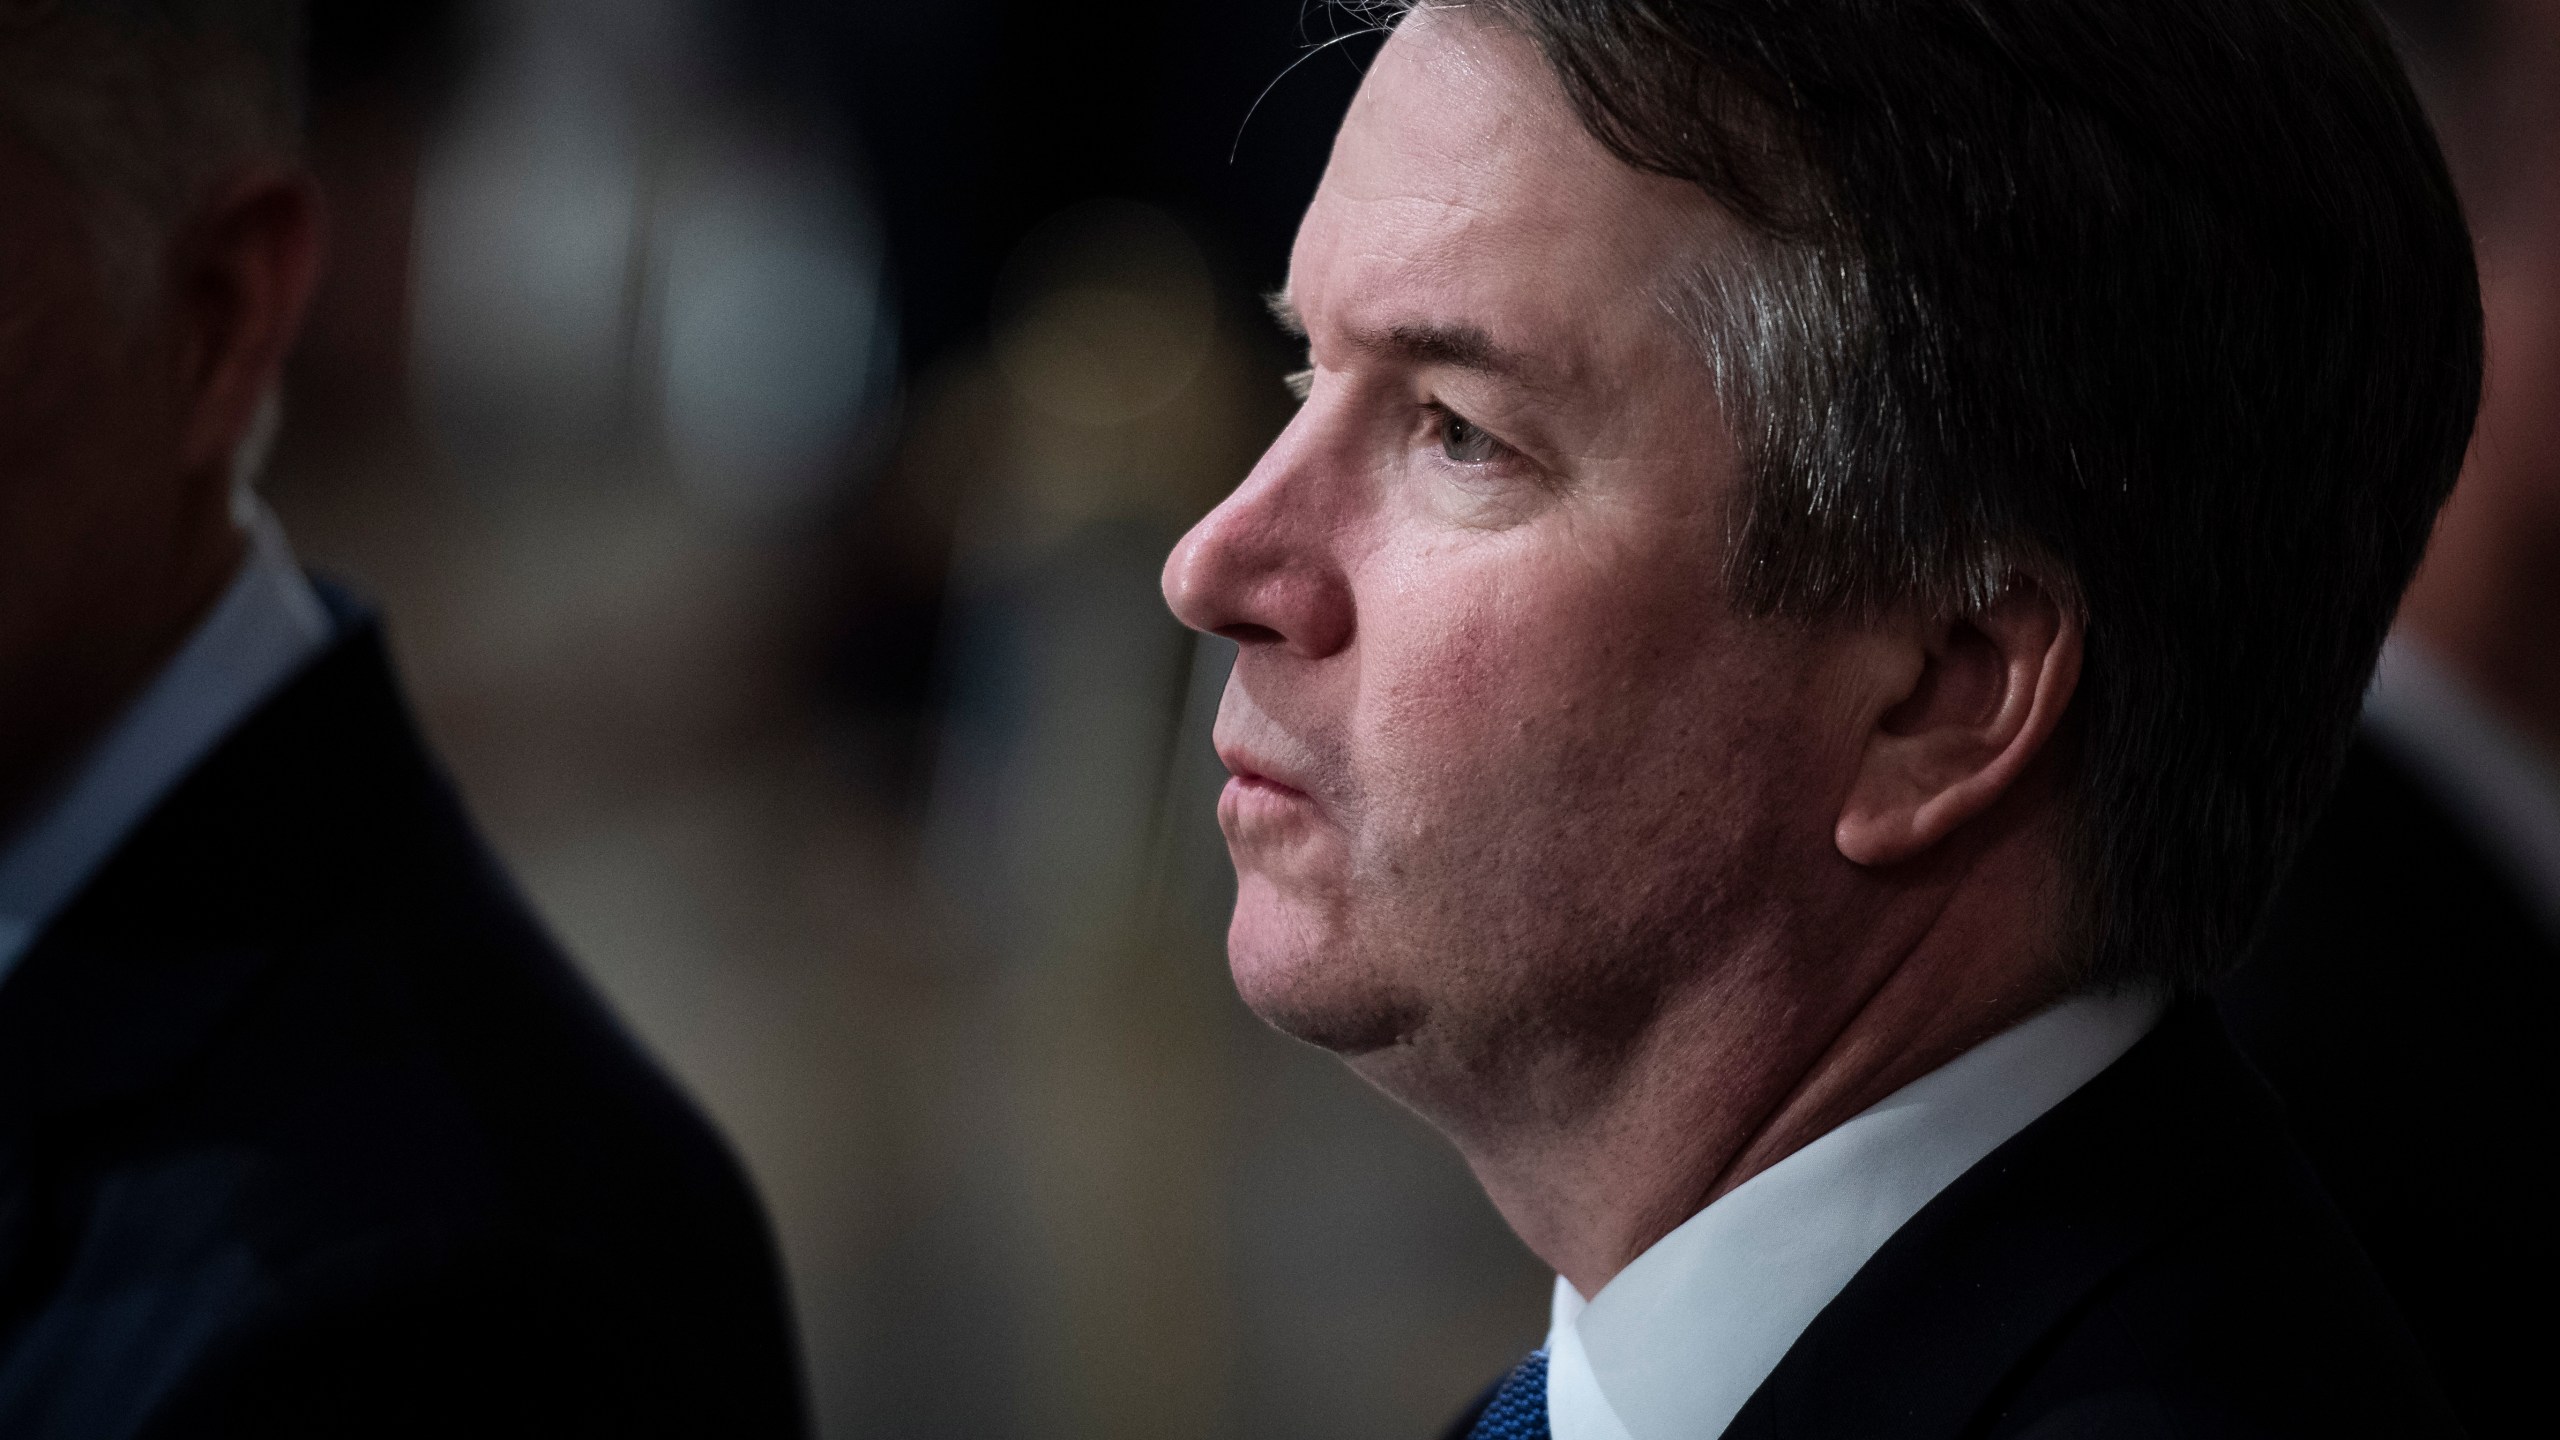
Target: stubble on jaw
(1506, 986)
(1513, 906)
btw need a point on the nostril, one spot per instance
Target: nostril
(1250, 634)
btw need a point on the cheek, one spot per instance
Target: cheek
(1579, 746)
(66, 401)
(1499, 695)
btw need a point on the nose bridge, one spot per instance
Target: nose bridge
(1259, 567)
(1263, 520)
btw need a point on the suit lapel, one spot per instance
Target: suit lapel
(1919, 1343)
(139, 974)
(118, 1264)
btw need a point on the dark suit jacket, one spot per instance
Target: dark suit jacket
(2403, 1006)
(2151, 1259)
(307, 1129)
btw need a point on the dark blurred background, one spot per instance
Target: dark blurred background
(762, 421)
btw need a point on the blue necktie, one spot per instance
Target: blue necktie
(1518, 1411)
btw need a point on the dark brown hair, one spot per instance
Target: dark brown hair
(2165, 305)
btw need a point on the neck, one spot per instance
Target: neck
(92, 653)
(1738, 1074)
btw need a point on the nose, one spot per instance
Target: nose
(1262, 569)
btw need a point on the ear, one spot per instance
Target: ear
(1967, 705)
(241, 279)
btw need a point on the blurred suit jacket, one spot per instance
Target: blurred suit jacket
(2152, 1259)
(307, 1129)
(2403, 1005)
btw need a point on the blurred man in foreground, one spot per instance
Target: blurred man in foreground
(305, 1127)
(2403, 1002)
(1830, 555)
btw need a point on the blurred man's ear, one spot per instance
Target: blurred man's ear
(1964, 707)
(241, 279)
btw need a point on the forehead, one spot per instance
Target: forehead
(1463, 180)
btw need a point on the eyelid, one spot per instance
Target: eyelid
(1508, 460)
(1301, 383)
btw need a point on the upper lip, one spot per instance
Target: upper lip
(1245, 765)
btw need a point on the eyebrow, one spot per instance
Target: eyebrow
(1284, 313)
(1460, 347)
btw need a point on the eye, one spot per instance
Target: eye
(1464, 442)
(1301, 383)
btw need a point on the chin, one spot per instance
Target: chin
(1295, 970)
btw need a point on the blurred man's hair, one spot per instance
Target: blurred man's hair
(2444, 37)
(2164, 305)
(2484, 71)
(147, 103)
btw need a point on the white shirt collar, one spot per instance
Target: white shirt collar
(2504, 789)
(1672, 1347)
(264, 629)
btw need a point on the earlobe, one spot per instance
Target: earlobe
(1963, 710)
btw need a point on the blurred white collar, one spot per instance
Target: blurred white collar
(2502, 787)
(265, 628)
(1673, 1347)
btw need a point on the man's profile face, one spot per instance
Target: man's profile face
(47, 279)
(1507, 761)
(62, 428)
(88, 422)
